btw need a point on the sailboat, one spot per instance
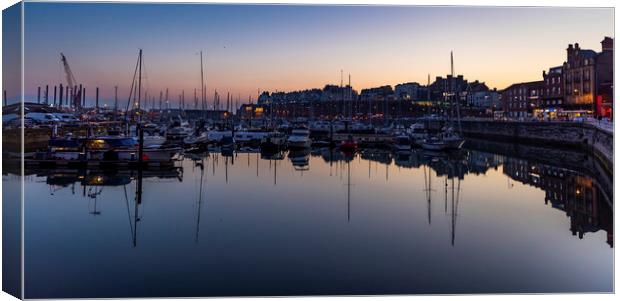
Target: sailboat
(348, 145)
(447, 139)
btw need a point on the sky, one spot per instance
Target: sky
(248, 48)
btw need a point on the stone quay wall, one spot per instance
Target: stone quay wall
(586, 136)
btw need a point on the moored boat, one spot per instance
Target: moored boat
(299, 139)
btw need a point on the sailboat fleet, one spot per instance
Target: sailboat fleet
(149, 142)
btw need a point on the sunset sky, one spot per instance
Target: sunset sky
(278, 47)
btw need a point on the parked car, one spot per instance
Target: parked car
(42, 118)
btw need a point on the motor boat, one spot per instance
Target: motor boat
(299, 139)
(250, 137)
(417, 132)
(348, 145)
(194, 140)
(446, 140)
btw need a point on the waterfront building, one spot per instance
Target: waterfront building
(552, 94)
(579, 83)
(605, 79)
(252, 111)
(489, 100)
(409, 91)
(519, 100)
(449, 84)
(588, 79)
(378, 93)
(196, 114)
(333, 92)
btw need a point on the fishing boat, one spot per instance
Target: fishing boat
(299, 139)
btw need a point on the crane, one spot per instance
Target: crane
(71, 82)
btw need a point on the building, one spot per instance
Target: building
(450, 84)
(489, 99)
(520, 100)
(588, 80)
(409, 91)
(252, 111)
(333, 92)
(378, 93)
(605, 79)
(579, 78)
(552, 94)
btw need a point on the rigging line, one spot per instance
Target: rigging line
(133, 82)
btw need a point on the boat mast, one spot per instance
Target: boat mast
(458, 108)
(139, 85)
(202, 83)
(131, 93)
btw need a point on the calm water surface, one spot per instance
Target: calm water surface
(319, 223)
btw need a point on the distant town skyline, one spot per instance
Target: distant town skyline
(248, 48)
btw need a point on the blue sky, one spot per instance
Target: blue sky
(278, 47)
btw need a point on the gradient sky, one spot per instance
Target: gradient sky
(277, 47)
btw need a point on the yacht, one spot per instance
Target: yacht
(250, 137)
(445, 140)
(417, 132)
(153, 141)
(216, 136)
(195, 140)
(299, 139)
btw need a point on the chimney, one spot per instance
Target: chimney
(607, 44)
(569, 51)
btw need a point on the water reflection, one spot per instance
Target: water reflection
(578, 195)
(424, 203)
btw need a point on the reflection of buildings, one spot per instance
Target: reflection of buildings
(566, 190)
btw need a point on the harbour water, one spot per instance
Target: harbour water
(319, 222)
